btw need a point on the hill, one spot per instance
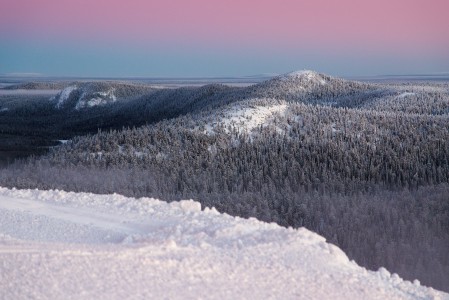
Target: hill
(91, 94)
(36, 85)
(365, 165)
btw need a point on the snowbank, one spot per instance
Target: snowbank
(58, 245)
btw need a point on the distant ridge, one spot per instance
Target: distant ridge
(90, 94)
(22, 74)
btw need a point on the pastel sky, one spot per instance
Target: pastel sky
(188, 38)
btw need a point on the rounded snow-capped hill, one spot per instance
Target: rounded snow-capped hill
(93, 94)
(307, 86)
(306, 77)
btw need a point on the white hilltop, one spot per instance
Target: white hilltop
(307, 75)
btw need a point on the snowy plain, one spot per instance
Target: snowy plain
(59, 245)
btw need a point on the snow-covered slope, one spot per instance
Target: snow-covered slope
(85, 97)
(242, 117)
(298, 82)
(64, 95)
(308, 87)
(91, 94)
(305, 76)
(58, 245)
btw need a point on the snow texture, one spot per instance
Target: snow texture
(244, 118)
(59, 245)
(99, 98)
(304, 74)
(406, 94)
(87, 99)
(64, 95)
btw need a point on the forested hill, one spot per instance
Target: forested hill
(365, 165)
(39, 85)
(30, 121)
(93, 94)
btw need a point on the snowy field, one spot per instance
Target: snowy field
(58, 245)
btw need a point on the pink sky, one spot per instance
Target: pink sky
(409, 27)
(419, 23)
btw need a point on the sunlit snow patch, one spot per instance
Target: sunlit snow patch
(96, 99)
(64, 95)
(87, 99)
(244, 119)
(406, 94)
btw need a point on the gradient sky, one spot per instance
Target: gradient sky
(188, 38)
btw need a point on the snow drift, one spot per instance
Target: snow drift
(59, 245)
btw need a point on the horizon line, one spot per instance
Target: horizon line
(253, 76)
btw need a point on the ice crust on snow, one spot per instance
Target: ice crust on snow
(59, 245)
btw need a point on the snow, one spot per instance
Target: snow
(100, 98)
(405, 94)
(86, 100)
(244, 118)
(306, 74)
(59, 245)
(64, 95)
(138, 154)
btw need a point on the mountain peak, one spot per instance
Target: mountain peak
(307, 75)
(300, 73)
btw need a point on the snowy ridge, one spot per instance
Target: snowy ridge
(96, 99)
(304, 86)
(58, 245)
(87, 99)
(64, 95)
(308, 75)
(93, 94)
